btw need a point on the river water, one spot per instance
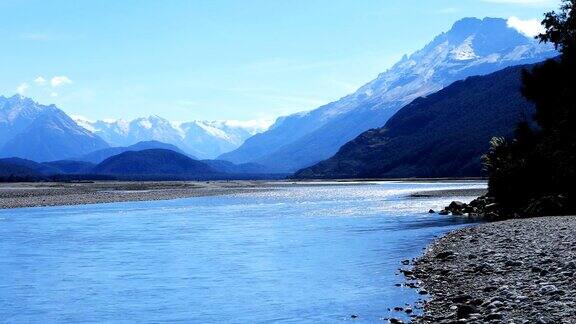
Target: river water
(302, 254)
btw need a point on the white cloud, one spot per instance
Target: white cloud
(53, 94)
(21, 89)
(256, 124)
(59, 81)
(530, 27)
(40, 81)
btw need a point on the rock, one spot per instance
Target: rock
(464, 311)
(407, 273)
(408, 310)
(405, 262)
(511, 263)
(485, 268)
(493, 316)
(353, 316)
(476, 302)
(548, 289)
(395, 321)
(461, 298)
(444, 255)
(490, 207)
(431, 211)
(456, 205)
(443, 212)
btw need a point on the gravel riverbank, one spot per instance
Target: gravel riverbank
(515, 271)
(39, 194)
(17, 195)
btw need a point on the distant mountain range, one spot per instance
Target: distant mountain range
(147, 164)
(442, 135)
(471, 47)
(42, 133)
(434, 125)
(202, 139)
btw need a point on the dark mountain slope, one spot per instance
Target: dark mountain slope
(38, 168)
(101, 155)
(155, 163)
(15, 172)
(71, 167)
(231, 168)
(442, 135)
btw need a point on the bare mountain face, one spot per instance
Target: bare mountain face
(41, 133)
(202, 139)
(471, 47)
(16, 114)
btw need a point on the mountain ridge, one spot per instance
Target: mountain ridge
(200, 138)
(471, 47)
(441, 135)
(42, 133)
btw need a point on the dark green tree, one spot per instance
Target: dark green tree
(535, 173)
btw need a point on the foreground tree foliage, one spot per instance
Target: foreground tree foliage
(535, 173)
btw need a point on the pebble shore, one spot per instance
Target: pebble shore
(515, 271)
(17, 195)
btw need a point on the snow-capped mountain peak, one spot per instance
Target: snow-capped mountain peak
(203, 139)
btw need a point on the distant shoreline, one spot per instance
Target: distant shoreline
(44, 194)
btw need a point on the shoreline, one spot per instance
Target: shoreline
(527, 278)
(45, 194)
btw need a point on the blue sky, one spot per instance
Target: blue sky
(216, 59)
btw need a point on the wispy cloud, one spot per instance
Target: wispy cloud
(256, 124)
(59, 81)
(45, 86)
(448, 10)
(40, 81)
(529, 27)
(22, 88)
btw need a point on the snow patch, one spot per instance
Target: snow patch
(465, 51)
(145, 123)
